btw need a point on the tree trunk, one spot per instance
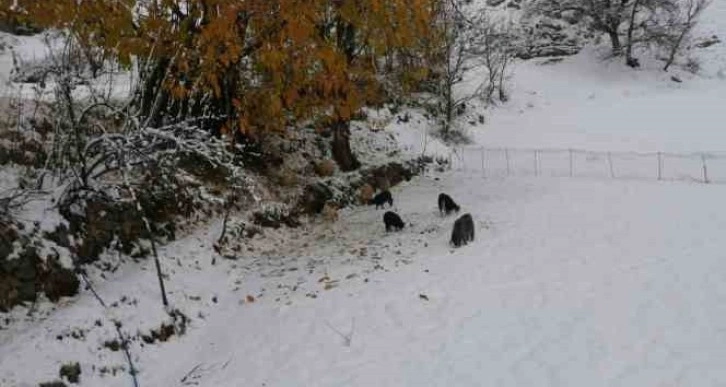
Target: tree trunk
(448, 109)
(673, 51)
(615, 41)
(342, 153)
(151, 84)
(629, 60)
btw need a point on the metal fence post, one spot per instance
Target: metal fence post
(483, 167)
(506, 156)
(705, 170)
(610, 164)
(572, 167)
(458, 161)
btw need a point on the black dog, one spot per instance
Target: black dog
(447, 204)
(463, 231)
(392, 221)
(381, 199)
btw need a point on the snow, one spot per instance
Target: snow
(27, 48)
(590, 102)
(32, 51)
(550, 302)
(594, 282)
(569, 283)
(609, 109)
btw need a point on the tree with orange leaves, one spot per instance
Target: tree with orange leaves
(253, 65)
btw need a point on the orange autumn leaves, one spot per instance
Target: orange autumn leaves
(283, 61)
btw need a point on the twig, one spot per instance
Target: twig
(347, 339)
(188, 374)
(124, 340)
(224, 222)
(125, 346)
(147, 226)
(92, 289)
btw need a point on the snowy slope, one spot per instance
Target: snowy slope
(564, 287)
(585, 103)
(30, 52)
(569, 283)
(590, 102)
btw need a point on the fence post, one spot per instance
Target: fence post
(572, 167)
(705, 171)
(506, 156)
(610, 164)
(536, 159)
(660, 166)
(483, 167)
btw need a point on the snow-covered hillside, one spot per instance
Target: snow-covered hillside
(590, 282)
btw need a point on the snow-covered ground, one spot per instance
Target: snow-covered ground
(590, 103)
(591, 282)
(569, 283)
(27, 53)
(584, 102)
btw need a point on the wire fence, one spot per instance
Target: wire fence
(709, 168)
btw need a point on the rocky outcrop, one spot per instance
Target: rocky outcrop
(346, 190)
(24, 273)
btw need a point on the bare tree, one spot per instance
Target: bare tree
(665, 24)
(494, 50)
(451, 59)
(680, 28)
(470, 41)
(629, 59)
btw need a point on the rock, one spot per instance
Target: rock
(22, 277)
(358, 188)
(548, 51)
(59, 282)
(71, 371)
(264, 220)
(633, 62)
(494, 3)
(708, 42)
(56, 383)
(324, 168)
(365, 193)
(274, 218)
(9, 295)
(572, 16)
(34, 74)
(61, 236)
(15, 27)
(8, 236)
(98, 222)
(314, 198)
(114, 345)
(19, 149)
(388, 175)
(25, 270)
